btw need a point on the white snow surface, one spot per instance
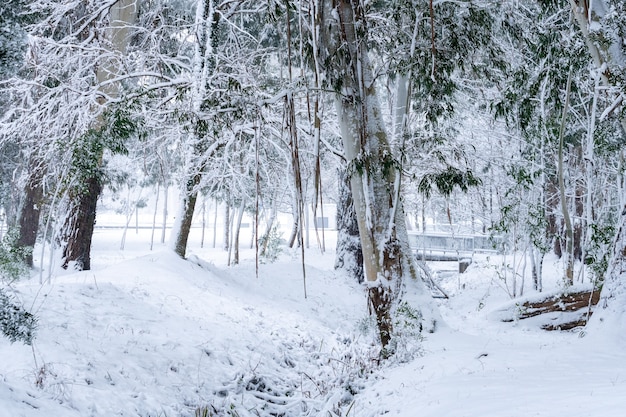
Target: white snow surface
(148, 334)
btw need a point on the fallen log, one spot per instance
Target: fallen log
(565, 302)
(562, 311)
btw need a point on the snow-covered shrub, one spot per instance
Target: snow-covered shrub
(406, 340)
(12, 265)
(272, 247)
(16, 323)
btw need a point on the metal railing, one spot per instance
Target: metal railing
(429, 245)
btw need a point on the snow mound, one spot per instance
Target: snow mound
(159, 335)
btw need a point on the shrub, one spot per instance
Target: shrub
(271, 245)
(16, 323)
(12, 265)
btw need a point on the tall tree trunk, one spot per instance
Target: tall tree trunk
(154, 216)
(569, 231)
(375, 180)
(30, 209)
(166, 192)
(237, 230)
(203, 222)
(199, 148)
(81, 217)
(180, 231)
(349, 255)
(226, 243)
(265, 239)
(295, 227)
(215, 223)
(79, 226)
(605, 56)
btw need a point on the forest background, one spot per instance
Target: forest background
(504, 117)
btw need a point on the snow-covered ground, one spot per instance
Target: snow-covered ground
(145, 333)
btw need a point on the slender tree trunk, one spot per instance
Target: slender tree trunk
(180, 232)
(268, 229)
(203, 221)
(295, 227)
(226, 245)
(129, 216)
(237, 231)
(154, 216)
(166, 192)
(215, 224)
(199, 147)
(569, 231)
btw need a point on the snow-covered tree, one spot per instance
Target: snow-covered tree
(341, 36)
(603, 27)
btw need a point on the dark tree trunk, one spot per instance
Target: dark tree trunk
(381, 298)
(554, 234)
(79, 225)
(180, 245)
(349, 255)
(29, 212)
(189, 206)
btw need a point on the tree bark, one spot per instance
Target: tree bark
(180, 232)
(79, 225)
(237, 230)
(30, 210)
(226, 243)
(569, 231)
(295, 227)
(349, 255)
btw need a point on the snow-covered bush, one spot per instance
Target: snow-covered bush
(16, 323)
(12, 265)
(271, 248)
(406, 340)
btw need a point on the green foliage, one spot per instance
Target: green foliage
(385, 163)
(546, 47)
(12, 266)
(445, 181)
(462, 45)
(118, 126)
(598, 251)
(16, 323)
(407, 337)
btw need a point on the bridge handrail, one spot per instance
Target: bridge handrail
(456, 243)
